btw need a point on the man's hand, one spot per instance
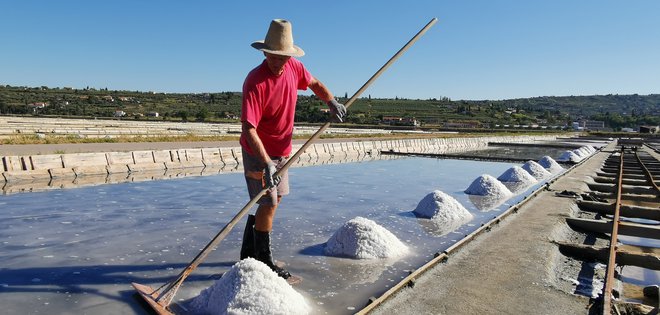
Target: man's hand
(338, 110)
(269, 175)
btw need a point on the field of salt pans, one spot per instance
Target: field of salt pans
(78, 250)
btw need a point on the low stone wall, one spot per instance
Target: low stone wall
(58, 166)
(107, 128)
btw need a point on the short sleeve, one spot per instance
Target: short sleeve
(304, 77)
(251, 109)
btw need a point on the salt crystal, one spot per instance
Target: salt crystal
(445, 212)
(249, 287)
(362, 238)
(581, 152)
(550, 165)
(487, 185)
(536, 170)
(517, 174)
(569, 156)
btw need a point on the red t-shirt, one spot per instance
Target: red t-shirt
(269, 104)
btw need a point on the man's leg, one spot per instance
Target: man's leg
(247, 248)
(262, 228)
(265, 215)
(263, 223)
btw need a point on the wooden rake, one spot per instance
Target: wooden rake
(160, 299)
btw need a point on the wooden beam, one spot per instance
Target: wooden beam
(628, 255)
(626, 210)
(605, 227)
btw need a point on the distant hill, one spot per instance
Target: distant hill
(617, 111)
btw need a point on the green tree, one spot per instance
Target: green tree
(202, 114)
(183, 114)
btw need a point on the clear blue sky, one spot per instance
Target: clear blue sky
(483, 49)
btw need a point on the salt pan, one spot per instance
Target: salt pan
(487, 185)
(536, 170)
(362, 238)
(550, 165)
(249, 287)
(446, 212)
(517, 174)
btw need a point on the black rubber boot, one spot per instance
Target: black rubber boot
(247, 249)
(264, 253)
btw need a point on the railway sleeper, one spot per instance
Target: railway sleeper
(626, 255)
(616, 174)
(613, 180)
(605, 227)
(626, 189)
(625, 210)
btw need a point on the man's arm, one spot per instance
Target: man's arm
(250, 134)
(320, 90)
(337, 109)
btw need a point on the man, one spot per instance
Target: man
(270, 92)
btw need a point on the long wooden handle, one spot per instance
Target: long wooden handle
(166, 296)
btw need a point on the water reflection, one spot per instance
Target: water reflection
(486, 203)
(43, 184)
(359, 271)
(517, 187)
(438, 229)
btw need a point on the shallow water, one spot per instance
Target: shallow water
(78, 250)
(520, 152)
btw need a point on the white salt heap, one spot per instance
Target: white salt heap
(446, 212)
(362, 238)
(486, 185)
(536, 170)
(569, 156)
(550, 165)
(249, 287)
(518, 175)
(577, 155)
(581, 152)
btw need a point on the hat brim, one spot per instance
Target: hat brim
(295, 52)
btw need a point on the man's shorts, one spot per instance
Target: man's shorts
(253, 169)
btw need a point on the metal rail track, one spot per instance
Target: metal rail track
(633, 196)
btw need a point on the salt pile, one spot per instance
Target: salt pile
(362, 238)
(536, 170)
(446, 212)
(517, 174)
(581, 152)
(577, 155)
(550, 165)
(249, 287)
(569, 156)
(486, 185)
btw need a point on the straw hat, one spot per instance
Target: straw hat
(279, 40)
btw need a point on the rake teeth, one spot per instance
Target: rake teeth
(149, 295)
